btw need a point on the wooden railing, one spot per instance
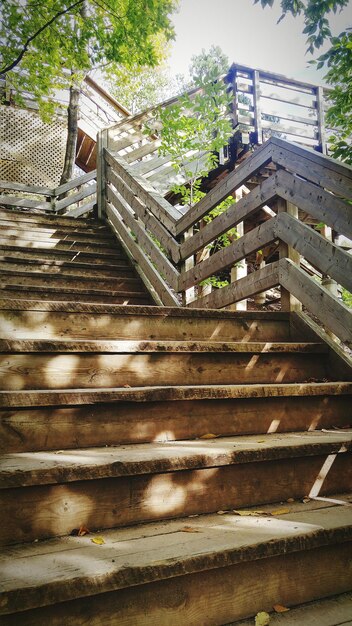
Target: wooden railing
(76, 198)
(290, 192)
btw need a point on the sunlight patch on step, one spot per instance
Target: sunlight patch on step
(64, 366)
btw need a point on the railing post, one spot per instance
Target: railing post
(240, 269)
(288, 301)
(189, 294)
(257, 107)
(321, 119)
(102, 142)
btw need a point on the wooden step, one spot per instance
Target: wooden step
(14, 267)
(58, 254)
(64, 283)
(335, 611)
(50, 320)
(49, 218)
(86, 419)
(83, 295)
(35, 234)
(141, 368)
(92, 229)
(208, 570)
(98, 247)
(47, 494)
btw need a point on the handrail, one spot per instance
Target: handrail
(75, 191)
(294, 190)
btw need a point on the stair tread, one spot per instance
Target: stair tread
(335, 611)
(48, 218)
(57, 570)
(126, 346)
(55, 397)
(23, 469)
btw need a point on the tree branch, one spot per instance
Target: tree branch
(18, 59)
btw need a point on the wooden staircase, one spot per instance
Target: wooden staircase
(161, 465)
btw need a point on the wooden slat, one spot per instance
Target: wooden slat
(76, 182)
(323, 254)
(159, 285)
(41, 191)
(149, 221)
(258, 281)
(332, 313)
(143, 151)
(144, 241)
(162, 210)
(83, 209)
(251, 242)
(260, 158)
(243, 208)
(76, 197)
(315, 201)
(15, 201)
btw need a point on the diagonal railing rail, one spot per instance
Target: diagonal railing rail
(291, 193)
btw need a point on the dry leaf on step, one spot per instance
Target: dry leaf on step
(262, 619)
(189, 529)
(278, 608)
(208, 436)
(306, 500)
(250, 513)
(126, 386)
(98, 540)
(83, 530)
(280, 511)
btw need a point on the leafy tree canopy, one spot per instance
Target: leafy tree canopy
(337, 60)
(55, 42)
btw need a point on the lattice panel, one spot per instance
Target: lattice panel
(31, 152)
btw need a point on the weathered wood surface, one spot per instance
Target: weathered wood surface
(159, 285)
(149, 220)
(19, 470)
(81, 370)
(83, 270)
(144, 241)
(90, 425)
(46, 510)
(217, 547)
(99, 296)
(50, 243)
(167, 394)
(22, 231)
(12, 186)
(82, 210)
(76, 197)
(76, 182)
(256, 282)
(334, 611)
(332, 313)
(57, 254)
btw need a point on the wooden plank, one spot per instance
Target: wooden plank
(42, 232)
(162, 210)
(76, 182)
(150, 222)
(41, 191)
(47, 510)
(87, 284)
(287, 299)
(316, 201)
(258, 281)
(102, 139)
(15, 201)
(74, 269)
(251, 242)
(310, 121)
(323, 254)
(332, 313)
(167, 394)
(143, 151)
(257, 107)
(50, 293)
(83, 209)
(49, 219)
(340, 174)
(307, 132)
(259, 159)
(76, 197)
(91, 425)
(321, 119)
(236, 213)
(157, 282)
(163, 265)
(59, 245)
(64, 255)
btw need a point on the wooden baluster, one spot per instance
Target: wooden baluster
(257, 108)
(288, 301)
(102, 142)
(240, 269)
(321, 119)
(189, 294)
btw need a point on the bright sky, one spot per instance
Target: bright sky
(248, 34)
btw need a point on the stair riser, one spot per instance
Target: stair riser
(210, 598)
(46, 511)
(72, 282)
(58, 244)
(54, 324)
(46, 234)
(95, 232)
(69, 371)
(73, 270)
(72, 296)
(127, 422)
(49, 220)
(24, 254)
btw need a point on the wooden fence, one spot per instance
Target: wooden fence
(289, 189)
(75, 198)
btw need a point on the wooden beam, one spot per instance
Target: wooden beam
(76, 182)
(143, 239)
(255, 282)
(76, 197)
(332, 313)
